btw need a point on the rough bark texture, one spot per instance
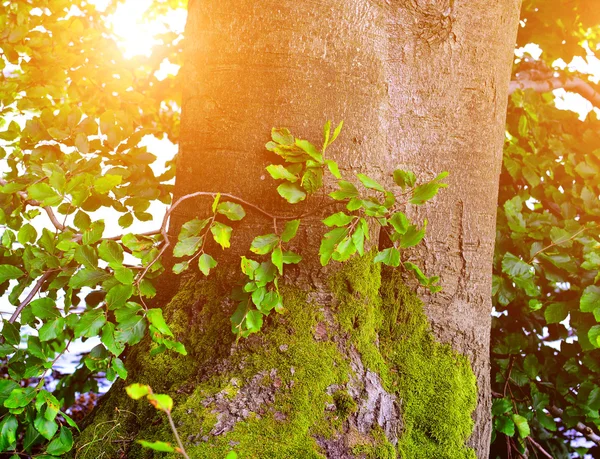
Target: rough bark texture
(448, 80)
(352, 371)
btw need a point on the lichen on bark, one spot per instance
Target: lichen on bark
(351, 372)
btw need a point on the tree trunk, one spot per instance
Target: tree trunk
(353, 368)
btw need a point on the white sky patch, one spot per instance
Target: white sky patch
(136, 35)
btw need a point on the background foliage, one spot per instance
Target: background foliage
(546, 330)
(74, 116)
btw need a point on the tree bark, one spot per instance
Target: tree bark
(351, 370)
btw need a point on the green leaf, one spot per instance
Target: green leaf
(329, 243)
(119, 367)
(221, 234)
(45, 427)
(333, 168)
(262, 245)
(413, 236)
(161, 402)
(282, 136)
(277, 259)
(389, 256)
(8, 432)
(254, 320)
(291, 192)
(104, 184)
(86, 255)
(157, 446)
(94, 233)
(178, 268)
(427, 191)
(310, 149)
(279, 172)
(505, 425)
(404, 178)
(124, 275)
(336, 132)
(339, 219)
(501, 406)
(62, 444)
(370, 183)
(206, 263)
(231, 210)
(290, 258)
(88, 278)
(590, 299)
(594, 335)
(515, 267)
(192, 228)
(137, 391)
(187, 247)
(51, 329)
(290, 230)
(26, 234)
(8, 272)
(522, 425)
(90, 323)
(44, 308)
(111, 252)
(10, 333)
(118, 296)
(556, 312)
(216, 202)
(45, 194)
(155, 317)
(399, 222)
(347, 190)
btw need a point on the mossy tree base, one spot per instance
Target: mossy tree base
(358, 377)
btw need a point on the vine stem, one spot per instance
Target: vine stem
(174, 429)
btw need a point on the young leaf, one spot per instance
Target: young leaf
(329, 243)
(155, 317)
(279, 172)
(404, 178)
(187, 247)
(277, 259)
(161, 446)
(347, 190)
(291, 192)
(8, 272)
(262, 245)
(425, 192)
(289, 231)
(333, 168)
(231, 210)
(339, 219)
(206, 263)
(161, 402)
(370, 183)
(137, 391)
(389, 256)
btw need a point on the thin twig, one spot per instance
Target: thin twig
(36, 288)
(174, 429)
(539, 447)
(572, 84)
(58, 225)
(580, 426)
(557, 243)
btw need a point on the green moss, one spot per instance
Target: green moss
(345, 405)
(386, 323)
(378, 315)
(378, 448)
